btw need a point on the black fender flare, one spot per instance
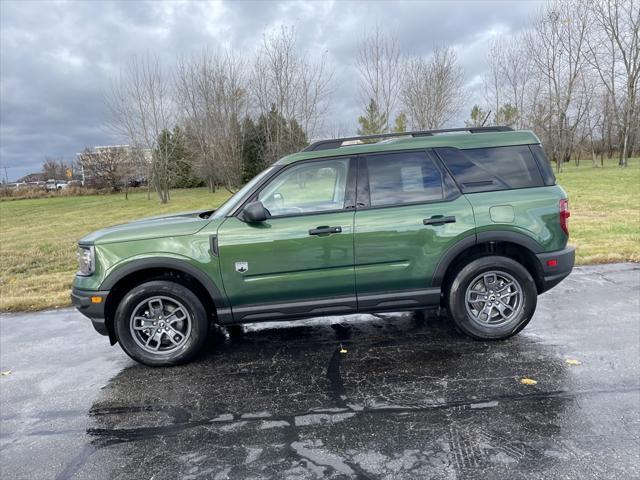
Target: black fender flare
(520, 239)
(223, 311)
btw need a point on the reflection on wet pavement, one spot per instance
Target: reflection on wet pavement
(408, 398)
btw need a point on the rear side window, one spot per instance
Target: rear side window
(544, 164)
(401, 178)
(488, 169)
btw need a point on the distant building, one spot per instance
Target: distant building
(32, 177)
(136, 161)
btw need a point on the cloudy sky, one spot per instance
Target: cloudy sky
(57, 58)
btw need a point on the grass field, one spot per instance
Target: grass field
(38, 237)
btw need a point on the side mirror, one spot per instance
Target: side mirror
(255, 212)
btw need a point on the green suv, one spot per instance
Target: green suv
(469, 219)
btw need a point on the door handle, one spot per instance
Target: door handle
(325, 230)
(439, 220)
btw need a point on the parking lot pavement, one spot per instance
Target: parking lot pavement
(407, 398)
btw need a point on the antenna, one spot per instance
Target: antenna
(485, 118)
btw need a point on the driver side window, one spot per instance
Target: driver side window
(307, 188)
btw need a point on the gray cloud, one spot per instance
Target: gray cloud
(56, 59)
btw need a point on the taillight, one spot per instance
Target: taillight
(564, 215)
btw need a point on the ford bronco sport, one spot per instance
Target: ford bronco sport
(468, 219)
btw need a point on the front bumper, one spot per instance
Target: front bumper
(82, 300)
(554, 272)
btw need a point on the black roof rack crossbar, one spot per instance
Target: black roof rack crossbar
(337, 142)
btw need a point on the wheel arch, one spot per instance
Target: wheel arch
(123, 279)
(513, 245)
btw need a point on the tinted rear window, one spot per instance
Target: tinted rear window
(488, 169)
(545, 166)
(399, 178)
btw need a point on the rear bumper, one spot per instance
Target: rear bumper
(555, 273)
(82, 300)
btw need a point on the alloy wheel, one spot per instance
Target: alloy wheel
(160, 324)
(493, 298)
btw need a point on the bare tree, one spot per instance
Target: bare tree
(509, 76)
(315, 91)
(380, 64)
(614, 48)
(291, 86)
(494, 83)
(55, 168)
(433, 91)
(593, 117)
(109, 167)
(142, 108)
(556, 45)
(213, 99)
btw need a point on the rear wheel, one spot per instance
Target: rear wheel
(161, 323)
(492, 298)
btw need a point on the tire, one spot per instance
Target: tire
(492, 313)
(181, 324)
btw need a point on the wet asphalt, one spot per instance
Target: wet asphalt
(408, 398)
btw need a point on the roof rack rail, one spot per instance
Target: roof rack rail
(337, 142)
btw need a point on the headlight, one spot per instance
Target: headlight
(86, 260)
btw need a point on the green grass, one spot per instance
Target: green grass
(38, 237)
(605, 211)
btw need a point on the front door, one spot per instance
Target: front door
(299, 262)
(409, 214)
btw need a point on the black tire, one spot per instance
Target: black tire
(191, 343)
(463, 314)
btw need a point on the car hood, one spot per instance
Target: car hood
(171, 225)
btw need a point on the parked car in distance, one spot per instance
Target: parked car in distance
(470, 219)
(55, 184)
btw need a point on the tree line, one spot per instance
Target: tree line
(572, 77)
(219, 117)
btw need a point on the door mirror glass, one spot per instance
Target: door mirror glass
(255, 212)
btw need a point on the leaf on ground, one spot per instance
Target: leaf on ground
(573, 361)
(6, 372)
(528, 381)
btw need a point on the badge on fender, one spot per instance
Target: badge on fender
(242, 267)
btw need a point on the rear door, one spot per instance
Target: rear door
(409, 212)
(510, 191)
(298, 262)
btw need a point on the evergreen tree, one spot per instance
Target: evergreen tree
(373, 122)
(181, 171)
(401, 123)
(183, 175)
(272, 138)
(506, 115)
(477, 117)
(251, 146)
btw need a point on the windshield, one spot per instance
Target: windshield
(227, 206)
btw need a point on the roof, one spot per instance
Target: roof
(32, 177)
(462, 141)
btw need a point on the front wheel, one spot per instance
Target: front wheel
(492, 298)
(161, 323)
